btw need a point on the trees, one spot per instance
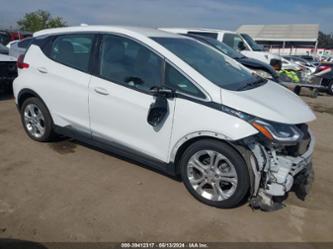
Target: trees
(38, 20)
(325, 40)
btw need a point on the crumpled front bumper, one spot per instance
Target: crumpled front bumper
(279, 174)
(284, 169)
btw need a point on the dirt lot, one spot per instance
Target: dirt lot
(68, 192)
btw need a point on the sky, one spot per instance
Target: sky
(222, 14)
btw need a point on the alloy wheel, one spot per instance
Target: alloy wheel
(212, 175)
(34, 120)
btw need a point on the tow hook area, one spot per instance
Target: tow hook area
(265, 202)
(301, 187)
(303, 182)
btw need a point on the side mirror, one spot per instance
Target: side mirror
(241, 46)
(160, 108)
(163, 91)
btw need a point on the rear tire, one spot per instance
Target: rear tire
(37, 120)
(330, 88)
(297, 90)
(215, 173)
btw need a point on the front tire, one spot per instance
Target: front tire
(215, 173)
(37, 120)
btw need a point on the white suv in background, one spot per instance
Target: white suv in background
(19, 47)
(241, 42)
(172, 103)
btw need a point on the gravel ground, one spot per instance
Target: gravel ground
(65, 191)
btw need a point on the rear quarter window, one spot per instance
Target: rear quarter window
(24, 43)
(72, 50)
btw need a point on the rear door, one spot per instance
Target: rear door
(62, 78)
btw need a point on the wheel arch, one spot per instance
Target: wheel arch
(188, 140)
(191, 138)
(26, 93)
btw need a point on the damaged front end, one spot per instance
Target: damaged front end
(279, 166)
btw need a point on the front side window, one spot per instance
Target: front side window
(233, 40)
(72, 50)
(252, 43)
(212, 64)
(177, 81)
(129, 63)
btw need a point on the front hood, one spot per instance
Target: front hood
(271, 102)
(4, 57)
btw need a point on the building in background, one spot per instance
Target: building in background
(290, 39)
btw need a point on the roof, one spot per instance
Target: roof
(149, 32)
(289, 32)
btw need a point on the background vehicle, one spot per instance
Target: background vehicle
(18, 48)
(4, 37)
(19, 35)
(310, 59)
(309, 67)
(8, 36)
(289, 65)
(261, 68)
(232, 39)
(172, 103)
(3, 49)
(8, 72)
(326, 78)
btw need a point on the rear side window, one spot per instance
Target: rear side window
(206, 34)
(129, 63)
(72, 50)
(177, 81)
(232, 40)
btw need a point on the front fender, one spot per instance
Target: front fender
(195, 119)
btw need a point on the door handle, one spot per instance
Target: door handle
(42, 69)
(101, 90)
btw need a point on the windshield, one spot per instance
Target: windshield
(216, 67)
(224, 48)
(252, 43)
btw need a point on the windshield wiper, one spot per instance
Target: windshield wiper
(260, 81)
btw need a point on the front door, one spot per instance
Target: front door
(120, 97)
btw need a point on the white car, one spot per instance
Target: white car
(9, 44)
(289, 65)
(18, 48)
(172, 103)
(241, 42)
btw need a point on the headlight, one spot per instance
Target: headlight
(263, 74)
(281, 133)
